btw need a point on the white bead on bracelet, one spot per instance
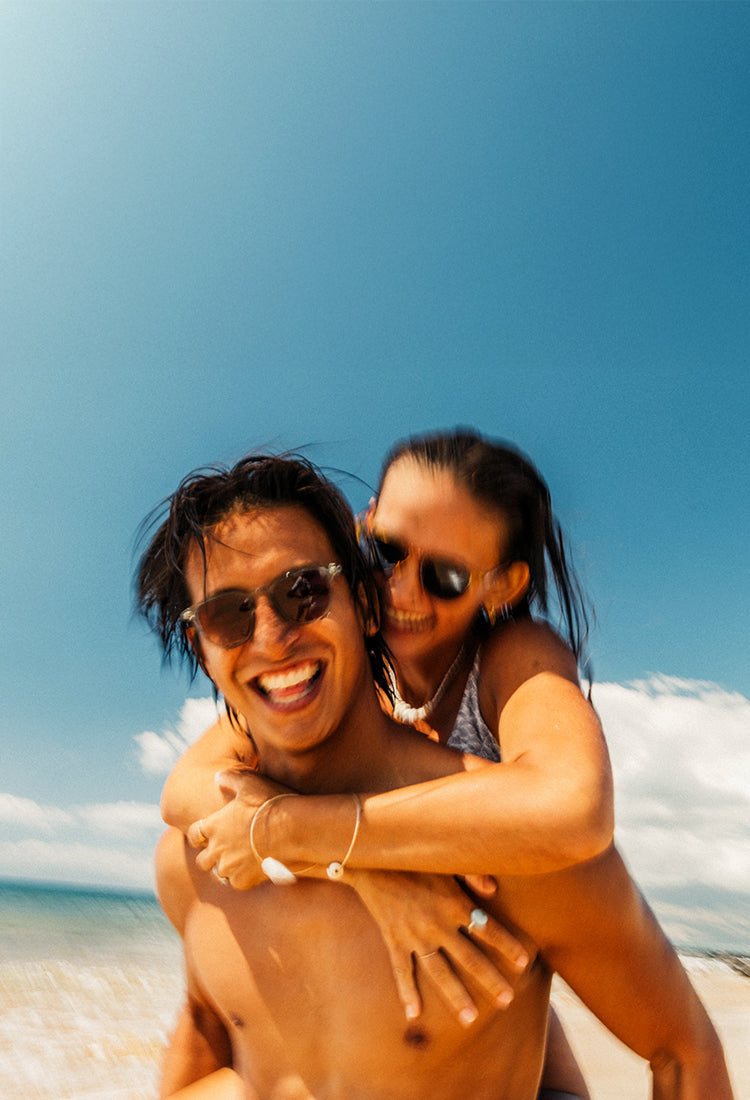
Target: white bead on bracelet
(276, 871)
(273, 869)
(335, 870)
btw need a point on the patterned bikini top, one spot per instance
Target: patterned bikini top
(470, 732)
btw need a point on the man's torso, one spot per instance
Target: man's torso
(301, 977)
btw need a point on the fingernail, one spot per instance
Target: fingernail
(467, 1016)
(522, 962)
(411, 1012)
(504, 998)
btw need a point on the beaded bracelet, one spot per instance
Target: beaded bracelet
(335, 870)
(278, 872)
(272, 868)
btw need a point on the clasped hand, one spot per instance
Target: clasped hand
(425, 919)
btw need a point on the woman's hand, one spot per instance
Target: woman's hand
(224, 836)
(426, 922)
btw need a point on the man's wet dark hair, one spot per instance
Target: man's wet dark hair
(500, 477)
(209, 495)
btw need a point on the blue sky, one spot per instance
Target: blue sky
(329, 225)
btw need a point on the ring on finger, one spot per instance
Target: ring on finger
(477, 920)
(429, 955)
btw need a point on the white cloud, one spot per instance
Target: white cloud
(122, 819)
(78, 862)
(23, 813)
(98, 843)
(681, 757)
(102, 844)
(157, 752)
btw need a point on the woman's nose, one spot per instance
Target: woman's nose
(404, 585)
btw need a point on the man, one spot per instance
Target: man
(256, 572)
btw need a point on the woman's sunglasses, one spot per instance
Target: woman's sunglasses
(439, 577)
(299, 596)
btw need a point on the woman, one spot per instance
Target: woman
(464, 541)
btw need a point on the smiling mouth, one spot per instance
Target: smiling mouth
(290, 686)
(406, 620)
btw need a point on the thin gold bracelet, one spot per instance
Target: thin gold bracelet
(335, 870)
(274, 869)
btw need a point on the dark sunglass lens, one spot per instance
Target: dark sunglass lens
(388, 554)
(304, 596)
(444, 579)
(228, 619)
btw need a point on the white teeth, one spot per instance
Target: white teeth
(404, 618)
(283, 681)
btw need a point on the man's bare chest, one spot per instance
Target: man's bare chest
(303, 981)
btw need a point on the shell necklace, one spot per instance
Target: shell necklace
(409, 716)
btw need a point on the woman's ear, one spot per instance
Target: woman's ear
(508, 588)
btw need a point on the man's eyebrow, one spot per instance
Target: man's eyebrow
(225, 590)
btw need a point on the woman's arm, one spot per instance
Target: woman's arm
(595, 929)
(548, 806)
(190, 791)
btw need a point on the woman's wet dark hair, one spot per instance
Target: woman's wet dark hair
(207, 496)
(499, 476)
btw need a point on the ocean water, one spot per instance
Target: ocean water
(90, 984)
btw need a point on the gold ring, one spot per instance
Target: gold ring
(429, 954)
(202, 838)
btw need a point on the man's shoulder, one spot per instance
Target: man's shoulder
(174, 885)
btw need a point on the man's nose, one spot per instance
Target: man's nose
(272, 633)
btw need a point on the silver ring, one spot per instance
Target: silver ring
(477, 920)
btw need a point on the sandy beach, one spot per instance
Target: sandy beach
(90, 985)
(99, 1034)
(615, 1073)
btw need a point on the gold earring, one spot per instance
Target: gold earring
(491, 615)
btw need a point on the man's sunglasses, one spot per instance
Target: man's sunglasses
(439, 577)
(299, 596)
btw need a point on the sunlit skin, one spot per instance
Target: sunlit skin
(447, 523)
(290, 677)
(429, 511)
(258, 967)
(264, 961)
(547, 806)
